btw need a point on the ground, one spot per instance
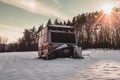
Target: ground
(98, 65)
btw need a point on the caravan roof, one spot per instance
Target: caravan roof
(60, 26)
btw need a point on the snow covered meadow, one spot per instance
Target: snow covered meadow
(98, 65)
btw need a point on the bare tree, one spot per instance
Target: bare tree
(3, 41)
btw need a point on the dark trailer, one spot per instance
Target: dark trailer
(58, 41)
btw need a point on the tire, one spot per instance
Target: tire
(39, 55)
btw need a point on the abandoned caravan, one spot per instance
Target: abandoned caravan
(58, 41)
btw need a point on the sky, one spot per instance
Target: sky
(17, 15)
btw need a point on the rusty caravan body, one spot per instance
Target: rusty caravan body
(57, 41)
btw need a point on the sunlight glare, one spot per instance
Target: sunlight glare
(29, 3)
(107, 8)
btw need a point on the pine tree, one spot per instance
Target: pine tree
(64, 23)
(56, 22)
(68, 23)
(40, 28)
(49, 22)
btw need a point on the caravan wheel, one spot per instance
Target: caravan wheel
(39, 55)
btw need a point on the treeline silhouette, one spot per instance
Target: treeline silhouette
(27, 43)
(98, 30)
(94, 30)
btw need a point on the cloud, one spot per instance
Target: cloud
(36, 7)
(11, 32)
(55, 1)
(10, 28)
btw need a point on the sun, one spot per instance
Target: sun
(107, 8)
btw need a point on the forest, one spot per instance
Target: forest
(94, 30)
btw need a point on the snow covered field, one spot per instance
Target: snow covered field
(100, 65)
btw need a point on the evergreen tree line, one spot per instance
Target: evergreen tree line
(27, 43)
(94, 30)
(98, 29)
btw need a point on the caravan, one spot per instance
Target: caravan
(58, 41)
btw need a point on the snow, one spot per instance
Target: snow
(98, 65)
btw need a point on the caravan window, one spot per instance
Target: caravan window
(62, 37)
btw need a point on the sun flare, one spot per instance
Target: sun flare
(107, 8)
